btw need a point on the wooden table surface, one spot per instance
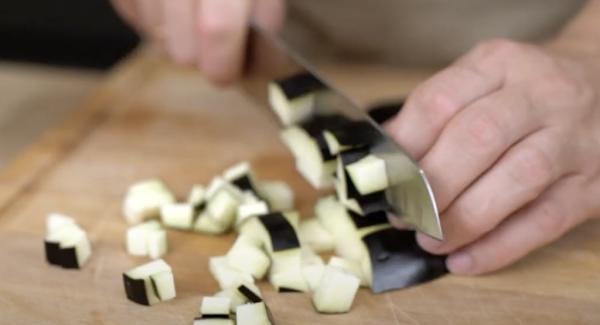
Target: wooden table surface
(152, 119)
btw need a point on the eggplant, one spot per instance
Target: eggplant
(247, 256)
(281, 232)
(368, 175)
(293, 98)
(241, 176)
(349, 266)
(312, 268)
(66, 244)
(383, 112)
(336, 291)
(197, 198)
(144, 199)
(215, 307)
(55, 221)
(314, 235)
(278, 195)
(310, 162)
(253, 314)
(150, 283)
(180, 216)
(222, 204)
(249, 210)
(286, 271)
(207, 225)
(351, 135)
(397, 261)
(147, 239)
(243, 294)
(227, 276)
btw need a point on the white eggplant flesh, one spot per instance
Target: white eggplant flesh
(349, 266)
(312, 268)
(286, 271)
(336, 291)
(68, 247)
(197, 195)
(150, 283)
(255, 230)
(164, 283)
(222, 206)
(144, 199)
(137, 243)
(237, 298)
(309, 161)
(177, 215)
(334, 217)
(215, 306)
(157, 243)
(227, 276)
(250, 210)
(246, 256)
(207, 225)
(290, 111)
(55, 221)
(278, 194)
(368, 175)
(253, 314)
(313, 234)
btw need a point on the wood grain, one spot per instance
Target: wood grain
(153, 119)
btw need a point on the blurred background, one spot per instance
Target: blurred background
(52, 55)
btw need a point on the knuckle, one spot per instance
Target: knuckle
(215, 28)
(550, 219)
(435, 105)
(484, 131)
(500, 49)
(533, 169)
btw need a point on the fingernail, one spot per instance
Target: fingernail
(460, 263)
(428, 243)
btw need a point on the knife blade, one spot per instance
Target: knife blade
(410, 194)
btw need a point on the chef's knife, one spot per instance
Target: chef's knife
(410, 195)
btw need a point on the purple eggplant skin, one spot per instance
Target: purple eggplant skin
(397, 260)
(282, 233)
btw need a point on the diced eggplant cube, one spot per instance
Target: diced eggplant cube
(246, 256)
(309, 159)
(278, 194)
(137, 237)
(292, 98)
(178, 215)
(227, 276)
(249, 210)
(55, 221)
(212, 307)
(336, 291)
(144, 199)
(253, 314)
(164, 285)
(197, 197)
(222, 206)
(286, 271)
(368, 175)
(207, 225)
(313, 234)
(68, 247)
(157, 243)
(150, 283)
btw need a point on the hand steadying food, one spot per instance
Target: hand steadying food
(508, 134)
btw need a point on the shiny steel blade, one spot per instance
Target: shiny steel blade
(409, 194)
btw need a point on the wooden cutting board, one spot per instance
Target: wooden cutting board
(152, 119)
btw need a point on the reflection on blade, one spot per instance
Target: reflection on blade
(409, 193)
